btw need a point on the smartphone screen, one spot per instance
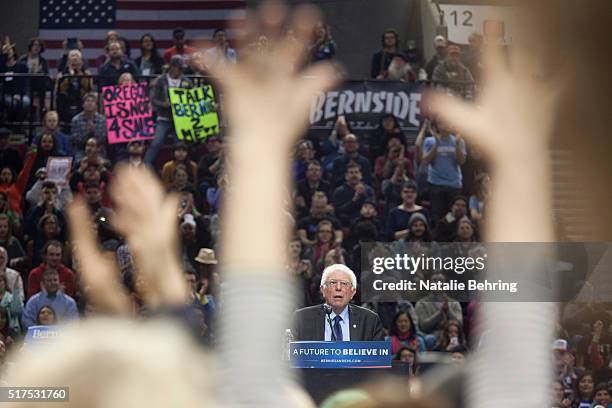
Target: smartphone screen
(71, 43)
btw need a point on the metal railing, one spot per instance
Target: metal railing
(39, 93)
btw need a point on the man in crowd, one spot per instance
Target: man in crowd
(435, 310)
(52, 255)
(160, 101)
(47, 204)
(9, 157)
(211, 163)
(180, 49)
(446, 229)
(472, 59)
(51, 295)
(51, 125)
(307, 187)
(443, 153)
(440, 46)
(382, 59)
(351, 154)
(319, 211)
(337, 320)
(116, 66)
(349, 197)
(221, 53)
(451, 69)
(88, 123)
(400, 69)
(135, 153)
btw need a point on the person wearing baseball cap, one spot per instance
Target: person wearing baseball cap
(160, 101)
(440, 44)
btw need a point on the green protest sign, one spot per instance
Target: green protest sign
(193, 112)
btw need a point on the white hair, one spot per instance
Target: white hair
(75, 52)
(339, 267)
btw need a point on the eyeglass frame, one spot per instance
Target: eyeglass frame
(343, 284)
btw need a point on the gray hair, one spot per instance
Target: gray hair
(339, 267)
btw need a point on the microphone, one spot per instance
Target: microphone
(328, 309)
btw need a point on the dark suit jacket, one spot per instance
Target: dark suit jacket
(309, 324)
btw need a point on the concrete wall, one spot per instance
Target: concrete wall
(19, 19)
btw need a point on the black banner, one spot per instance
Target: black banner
(364, 102)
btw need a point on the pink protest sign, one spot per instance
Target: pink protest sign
(128, 113)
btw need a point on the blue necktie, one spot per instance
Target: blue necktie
(338, 328)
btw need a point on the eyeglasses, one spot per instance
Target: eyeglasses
(344, 284)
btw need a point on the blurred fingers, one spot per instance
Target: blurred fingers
(458, 115)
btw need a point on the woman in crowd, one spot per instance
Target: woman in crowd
(15, 187)
(73, 82)
(46, 316)
(559, 398)
(602, 396)
(180, 180)
(479, 199)
(181, 157)
(388, 128)
(15, 89)
(47, 147)
(398, 221)
(149, 62)
(466, 233)
(452, 338)
(323, 46)
(404, 333)
(102, 59)
(300, 268)
(48, 229)
(584, 393)
(304, 153)
(333, 146)
(37, 64)
(215, 194)
(126, 79)
(13, 278)
(7, 334)
(15, 252)
(324, 242)
(51, 125)
(13, 302)
(14, 219)
(394, 156)
(408, 355)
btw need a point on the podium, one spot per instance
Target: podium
(340, 354)
(328, 366)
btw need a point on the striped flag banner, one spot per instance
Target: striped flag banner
(90, 20)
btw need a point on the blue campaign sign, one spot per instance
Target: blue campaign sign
(341, 354)
(41, 334)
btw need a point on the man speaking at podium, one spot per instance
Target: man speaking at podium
(336, 319)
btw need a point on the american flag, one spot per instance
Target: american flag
(90, 20)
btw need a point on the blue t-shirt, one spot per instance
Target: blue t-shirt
(477, 205)
(444, 169)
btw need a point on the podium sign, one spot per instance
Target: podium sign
(340, 354)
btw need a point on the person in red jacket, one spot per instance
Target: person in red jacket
(15, 188)
(52, 255)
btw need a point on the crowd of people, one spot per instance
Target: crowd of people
(348, 189)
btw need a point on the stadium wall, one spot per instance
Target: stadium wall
(19, 19)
